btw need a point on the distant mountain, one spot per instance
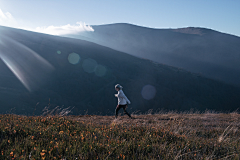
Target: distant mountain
(85, 73)
(212, 54)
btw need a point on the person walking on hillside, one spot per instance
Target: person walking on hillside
(122, 101)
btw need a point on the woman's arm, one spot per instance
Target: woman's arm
(122, 95)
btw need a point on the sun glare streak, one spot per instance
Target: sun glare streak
(30, 68)
(15, 70)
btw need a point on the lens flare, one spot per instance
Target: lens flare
(59, 52)
(73, 58)
(148, 92)
(89, 65)
(100, 70)
(29, 67)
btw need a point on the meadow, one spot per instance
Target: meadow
(148, 136)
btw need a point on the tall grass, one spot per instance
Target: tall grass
(149, 136)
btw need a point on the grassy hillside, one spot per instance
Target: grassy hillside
(199, 50)
(157, 136)
(88, 85)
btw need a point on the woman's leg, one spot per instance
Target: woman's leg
(116, 111)
(125, 111)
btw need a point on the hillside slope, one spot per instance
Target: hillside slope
(88, 84)
(213, 54)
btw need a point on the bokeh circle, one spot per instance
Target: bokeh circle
(89, 65)
(148, 92)
(100, 70)
(73, 58)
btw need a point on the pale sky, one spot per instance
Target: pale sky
(50, 16)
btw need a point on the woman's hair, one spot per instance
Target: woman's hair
(118, 86)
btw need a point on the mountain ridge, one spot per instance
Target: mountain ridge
(72, 84)
(213, 54)
(155, 28)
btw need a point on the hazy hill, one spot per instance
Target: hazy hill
(89, 84)
(213, 54)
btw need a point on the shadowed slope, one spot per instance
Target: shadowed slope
(199, 50)
(85, 75)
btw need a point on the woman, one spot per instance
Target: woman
(122, 101)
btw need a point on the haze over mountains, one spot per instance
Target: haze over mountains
(83, 74)
(212, 54)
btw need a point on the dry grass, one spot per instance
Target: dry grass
(151, 136)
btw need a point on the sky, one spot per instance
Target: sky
(61, 16)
